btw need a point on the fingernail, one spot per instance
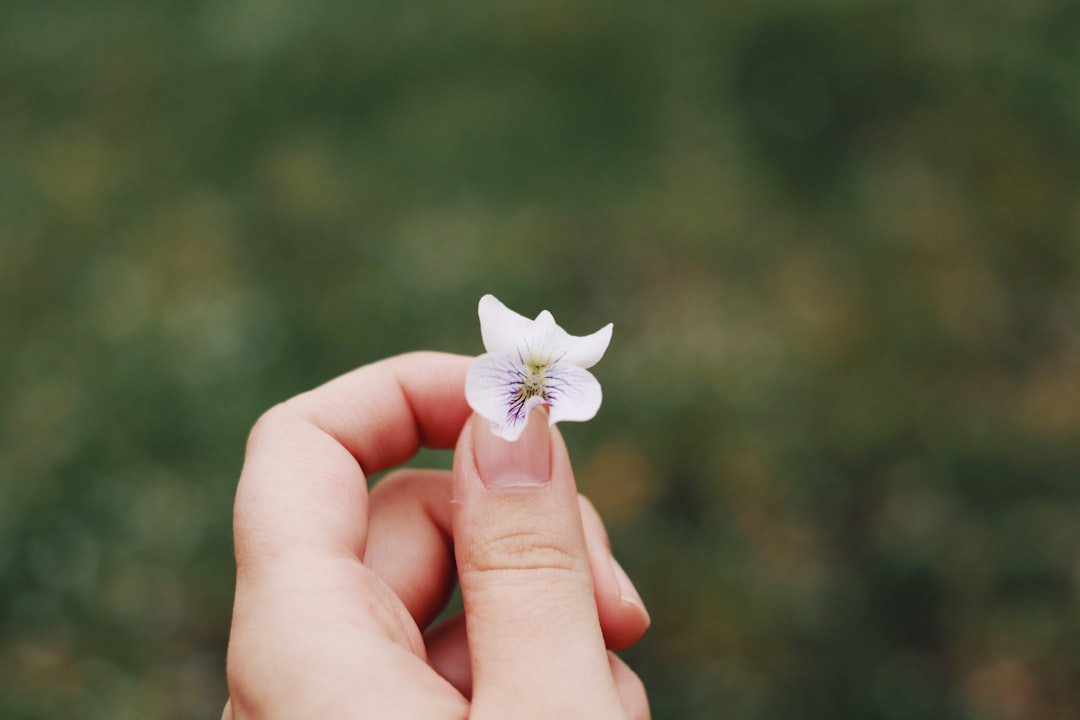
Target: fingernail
(526, 462)
(627, 592)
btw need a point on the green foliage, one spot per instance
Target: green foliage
(839, 240)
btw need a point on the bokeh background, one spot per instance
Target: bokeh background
(839, 240)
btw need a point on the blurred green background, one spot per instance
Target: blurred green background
(839, 240)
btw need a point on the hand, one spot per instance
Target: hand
(335, 588)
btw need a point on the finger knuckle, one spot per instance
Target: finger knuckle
(524, 550)
(243, 701)
(269, 424)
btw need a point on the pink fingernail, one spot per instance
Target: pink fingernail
(525, 462)
(627, 592)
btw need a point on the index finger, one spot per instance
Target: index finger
(303, 487)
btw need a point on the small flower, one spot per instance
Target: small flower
(530, 363)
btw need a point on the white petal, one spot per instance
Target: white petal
(537, 344)
(583, 351)
(500, 327)
(512, 428)
(573, 394)
(491, 386)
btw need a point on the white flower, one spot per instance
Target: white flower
(530, 363)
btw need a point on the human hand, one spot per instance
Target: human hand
(335, 587)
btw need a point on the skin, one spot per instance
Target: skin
(336, 587)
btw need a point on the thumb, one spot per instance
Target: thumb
(533, 631)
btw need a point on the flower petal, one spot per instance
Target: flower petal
(491, 389)
(573, 394)
(582, 351)
(537, 345)
(514, 425)
(500, 327)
